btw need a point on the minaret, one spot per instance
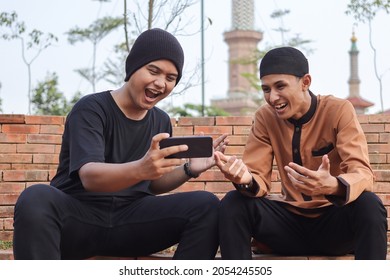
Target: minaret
(354, 82)
(242, 43)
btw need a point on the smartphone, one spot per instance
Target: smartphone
(198, 146)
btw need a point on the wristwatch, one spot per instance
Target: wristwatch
(188, 172)
(252, 187)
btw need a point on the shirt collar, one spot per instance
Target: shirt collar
(306, 117)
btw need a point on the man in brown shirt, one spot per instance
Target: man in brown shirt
(326, 205)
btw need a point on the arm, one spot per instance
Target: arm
(177, 177)
(111, 177)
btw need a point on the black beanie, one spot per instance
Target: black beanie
(284, 60)
(154, 44)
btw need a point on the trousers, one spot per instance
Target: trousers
(359, 227)
(50, 224)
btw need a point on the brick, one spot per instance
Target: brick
(15, 158)
(219, 187)
(173, 122)
(31, 166)
(372, 137)
(190, 186)
(6, 235)
(35, 148)
(12, 187)
(44, 119)
(384, 138)
(8, 224)
(44, 139)
(241, 130)
(382, 187)
(183, 131)
(201, 121)
(6, 211)
(235, 150)
(12, 138)
(237, 140)
(362, 118)
(377, 158)
(52, 173)
(382, 175)
(209, 130)
(378, 148)
(52, 129)
(379, 118)
(11, 118)
(8, 199)
(48, 158)
(20, 128)
(8, 148)
(25, 175)
(373, 128)
(29, 184)
(235, 120)
(212, 175)
(5, 166)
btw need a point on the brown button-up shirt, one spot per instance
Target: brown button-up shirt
(330, 127)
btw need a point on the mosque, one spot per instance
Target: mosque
(242, 40)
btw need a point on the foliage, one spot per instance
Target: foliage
(48, 100)
(94, 33)
(195, 110)
(4, 245)
(36, 41)
(365, 11)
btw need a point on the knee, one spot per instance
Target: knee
(231, 199)
(207, 200)
(370, 208)
(32, 199)
(233, 203)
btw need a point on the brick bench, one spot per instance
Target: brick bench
(29, 148)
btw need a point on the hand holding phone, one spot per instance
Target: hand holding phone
(198, 146)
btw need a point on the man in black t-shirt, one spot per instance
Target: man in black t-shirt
(104, 198)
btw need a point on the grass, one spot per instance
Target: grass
(4, 245)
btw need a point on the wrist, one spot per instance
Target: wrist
(188, 172)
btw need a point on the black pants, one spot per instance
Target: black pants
(49, 224)
(359, 227)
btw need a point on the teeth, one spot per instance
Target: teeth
(280, 106)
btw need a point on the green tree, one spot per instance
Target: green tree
(48, 100)
(95, 33)
(194, 110)
(35, 42)
(365, 11)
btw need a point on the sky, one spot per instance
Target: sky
(323, 22)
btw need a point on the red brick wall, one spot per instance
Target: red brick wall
(29, 147)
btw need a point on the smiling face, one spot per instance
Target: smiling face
(151, 83)
(287, 94)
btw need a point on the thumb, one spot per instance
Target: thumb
(325, 165)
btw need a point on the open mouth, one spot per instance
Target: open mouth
(281, 106)
(151, 94)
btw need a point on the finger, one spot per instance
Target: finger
(155, 144)
(224, 158)
(220, 141)
(325, 163)
(165, 152)
(301, 170)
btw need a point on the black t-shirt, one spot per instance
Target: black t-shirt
(96, 130)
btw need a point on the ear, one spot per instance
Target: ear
(306, 81)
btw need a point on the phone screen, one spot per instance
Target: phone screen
(198, 146)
